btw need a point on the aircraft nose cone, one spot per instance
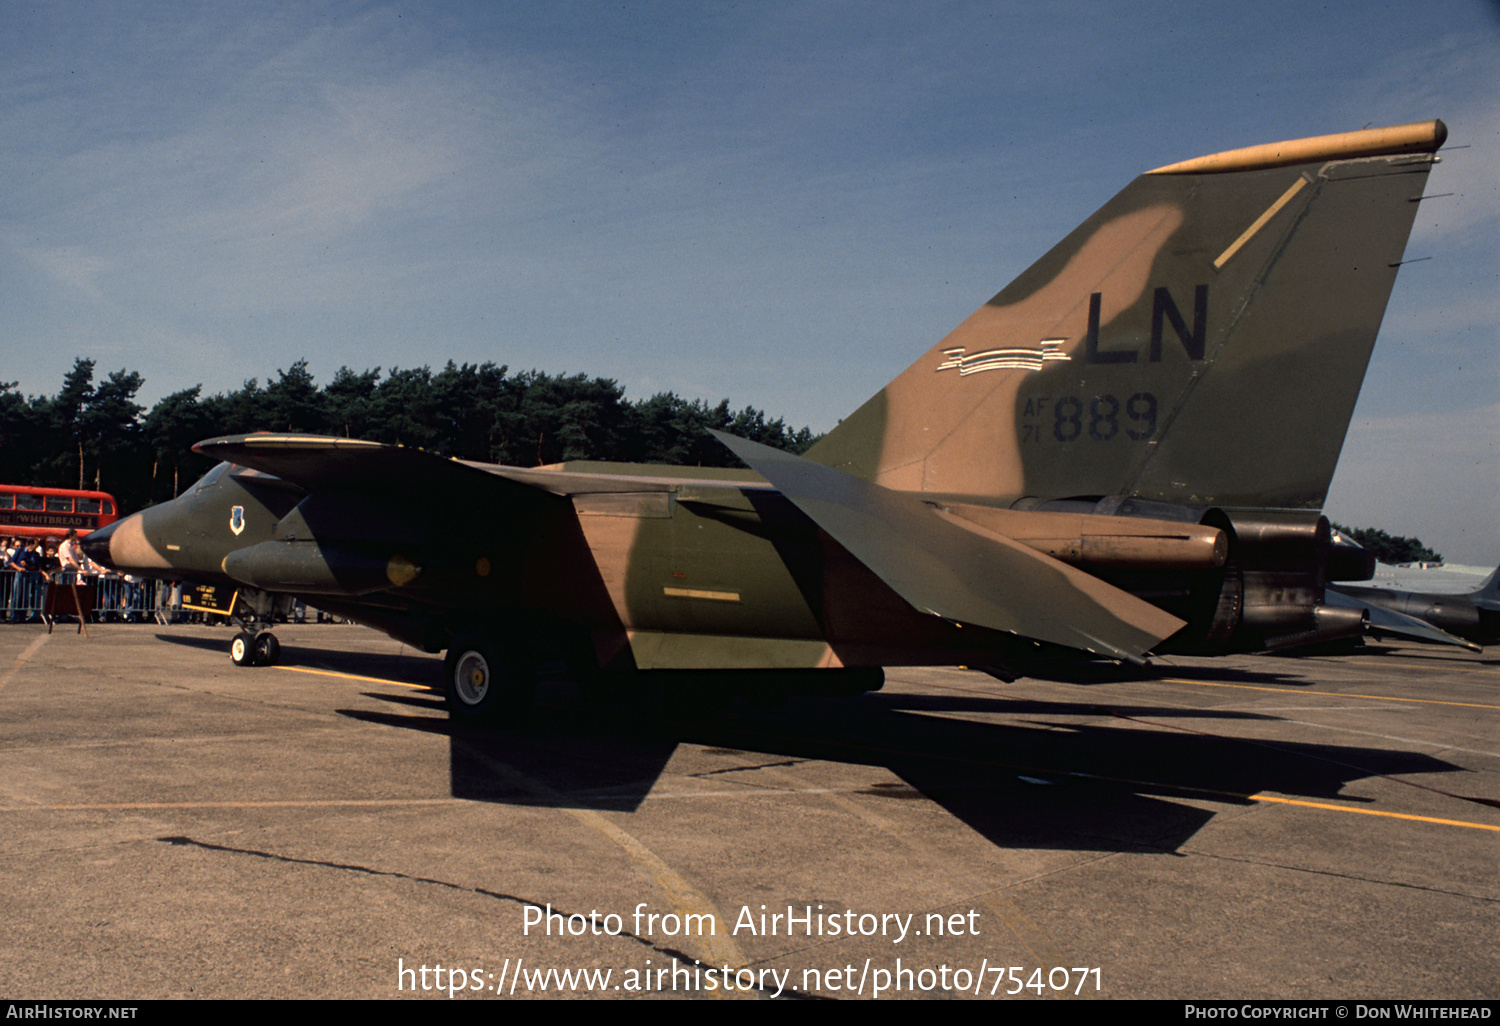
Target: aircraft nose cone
(96, 544)
(123, 546)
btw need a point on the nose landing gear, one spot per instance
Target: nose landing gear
(249, 649)
(254, 611)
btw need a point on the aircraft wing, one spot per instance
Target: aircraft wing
(570, 483)
(347, 464)
(957, 570)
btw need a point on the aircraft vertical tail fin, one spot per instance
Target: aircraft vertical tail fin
(1200, 340)
(1488, 595)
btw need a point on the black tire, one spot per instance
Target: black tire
(266, 649)
(242, 649)
(483, 681)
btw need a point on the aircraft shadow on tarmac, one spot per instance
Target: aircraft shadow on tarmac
(215, 641)
(413, 669)
(1044, 781)
(1428, 653)
(1086, 673)
(1040, 780)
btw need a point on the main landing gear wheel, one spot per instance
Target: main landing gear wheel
(482, 681)
(242, 649)
(267, 649)
(254, 649)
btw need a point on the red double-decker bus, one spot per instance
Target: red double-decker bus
(51, 512)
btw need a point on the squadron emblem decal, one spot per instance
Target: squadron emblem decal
(237, 519)
(1003, 359)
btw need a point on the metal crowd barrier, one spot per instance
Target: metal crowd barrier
(23, 599)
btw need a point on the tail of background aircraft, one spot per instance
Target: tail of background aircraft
(1200, 341)
(1488, 595)
(1470, 619)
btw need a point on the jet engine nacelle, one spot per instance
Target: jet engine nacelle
(1272, 591)
(306, 567)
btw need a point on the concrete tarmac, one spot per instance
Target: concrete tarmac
(1250, 827)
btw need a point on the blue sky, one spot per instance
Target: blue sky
(782, 204)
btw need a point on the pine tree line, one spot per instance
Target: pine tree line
(1391, 550)
(94, 435)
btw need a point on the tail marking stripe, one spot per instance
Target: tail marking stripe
(1260, 222)
(1001, 359)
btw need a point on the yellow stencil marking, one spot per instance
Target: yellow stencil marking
(698, 593)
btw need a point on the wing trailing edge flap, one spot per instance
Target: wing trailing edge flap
(959, 571)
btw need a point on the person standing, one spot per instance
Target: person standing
(70, 553)
(24, 597)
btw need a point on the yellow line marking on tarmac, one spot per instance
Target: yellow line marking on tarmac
(288, 803)
(1328, 694)
(354, 676)
(1166, 790)
(1374, 812)
(688, 899)
(1448, 667)
(684, 895)
(685, 898)
(25, 657)
(1211, 794)
(1035, 940)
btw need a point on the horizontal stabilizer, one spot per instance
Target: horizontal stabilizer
(958, 571)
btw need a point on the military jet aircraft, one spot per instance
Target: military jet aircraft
(1470, 619)
(1122, 453)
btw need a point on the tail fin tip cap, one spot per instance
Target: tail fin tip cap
(1417, 137)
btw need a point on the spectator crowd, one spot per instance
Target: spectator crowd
(29, 566)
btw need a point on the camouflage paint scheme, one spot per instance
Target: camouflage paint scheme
(1245, 334)
(1123, 452)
